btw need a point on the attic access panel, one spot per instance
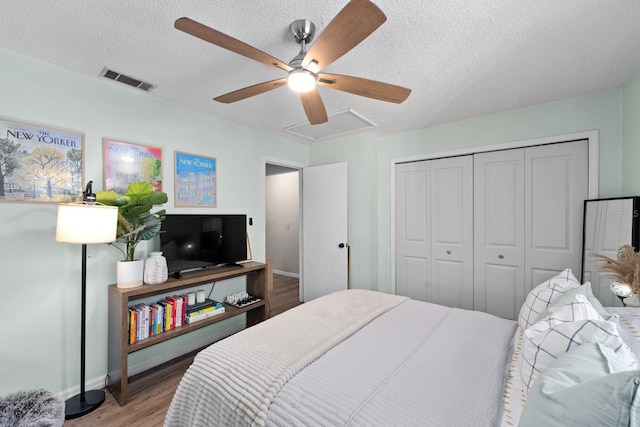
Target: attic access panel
(341, 123)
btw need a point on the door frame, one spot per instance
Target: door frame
(293, 165)
(590, 135)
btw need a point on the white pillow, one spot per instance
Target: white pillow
(543, 294)
(553, 336)
(577, 308)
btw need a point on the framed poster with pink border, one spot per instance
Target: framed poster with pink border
(195, 180)
(126, 162)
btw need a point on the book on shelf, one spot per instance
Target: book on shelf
(216, 306)
(158, 321)
(200, 305)
(175, 311)
(133, 324)
(192, 318)
(147, 320)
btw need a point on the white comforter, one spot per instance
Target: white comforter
(419, 364)
(234, 381)
(377, 360)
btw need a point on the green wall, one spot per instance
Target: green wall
(40, 281)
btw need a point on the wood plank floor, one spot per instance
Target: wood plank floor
(150, 393)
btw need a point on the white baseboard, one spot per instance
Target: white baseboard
(286, 273)
(94, 384)
(99, 383)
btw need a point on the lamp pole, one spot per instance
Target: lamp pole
(84, 402)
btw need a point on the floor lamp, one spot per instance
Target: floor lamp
(85, 223)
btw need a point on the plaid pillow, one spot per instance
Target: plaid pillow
(543, 294)
(571, 325)
(578, 308)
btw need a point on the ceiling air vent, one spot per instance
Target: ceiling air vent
(114, 75)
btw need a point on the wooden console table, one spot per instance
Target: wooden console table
(259, 283)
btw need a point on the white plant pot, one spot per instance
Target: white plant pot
(129, 274)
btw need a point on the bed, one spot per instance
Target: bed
(364, 358)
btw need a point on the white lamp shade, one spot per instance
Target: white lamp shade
(84, 223)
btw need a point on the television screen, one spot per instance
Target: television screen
(200, 241)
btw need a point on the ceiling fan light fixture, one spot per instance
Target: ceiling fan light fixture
(301, 80)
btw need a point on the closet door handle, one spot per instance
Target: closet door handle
(448, 252)
(500, 256)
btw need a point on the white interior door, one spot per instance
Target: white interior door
(452, 231)
(413, 241)
(499, 232)
(324, 230)
(434, 231)
(556, 186)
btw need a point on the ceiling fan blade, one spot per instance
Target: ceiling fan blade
(354, 23)
(247, 92)
(364, 87)
(314, 107)
(222, 40)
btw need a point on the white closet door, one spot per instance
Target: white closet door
(499, 232)
(556, 185)
(452, 231)
(413, 243)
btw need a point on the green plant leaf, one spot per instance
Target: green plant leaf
(135, 220)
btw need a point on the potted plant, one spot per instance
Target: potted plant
(136, 222)
(624, 270)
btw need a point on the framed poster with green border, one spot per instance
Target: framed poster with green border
(195, 180)
(40, 164)
(126, 162)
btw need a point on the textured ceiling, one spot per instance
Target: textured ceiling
(461, 58)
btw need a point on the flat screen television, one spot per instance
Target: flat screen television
(201, 241)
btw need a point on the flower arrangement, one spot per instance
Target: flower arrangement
(136, 222)
(625, 269)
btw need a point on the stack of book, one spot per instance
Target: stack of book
(147, 320)
(203, 310)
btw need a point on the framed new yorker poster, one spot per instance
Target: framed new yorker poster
(125, 162)
(40, 164)
(195, 180)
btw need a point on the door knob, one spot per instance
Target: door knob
(500, 256)
(448, 252)
(341, 245)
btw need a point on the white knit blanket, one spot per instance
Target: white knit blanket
(233, 382)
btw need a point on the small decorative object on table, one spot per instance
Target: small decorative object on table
(625, 270)
(155, 269)
(241, 299)
(622, 291)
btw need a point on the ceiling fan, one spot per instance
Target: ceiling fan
(354, 23)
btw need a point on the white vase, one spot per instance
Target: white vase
(155, 269)
(129, 274)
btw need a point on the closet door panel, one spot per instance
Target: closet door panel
(415, 283)
(413, 245)
(449, 288)
(499, 232)
(452, 231)
(502, 292)
(556, 185)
